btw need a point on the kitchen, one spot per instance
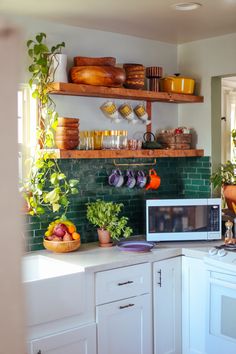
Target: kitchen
(202, 59)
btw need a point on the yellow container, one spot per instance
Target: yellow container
(177, 84)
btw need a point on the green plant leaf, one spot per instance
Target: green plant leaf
(73, 182)
(29, 42)
(52, 197)
(40, 210)
(35, 93)
(39, 37)
(74, 190)
(55, 207)
(54, 178)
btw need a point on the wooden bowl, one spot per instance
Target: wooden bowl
(110, 76)
(66, 144)
(89, 61)
(61, 246)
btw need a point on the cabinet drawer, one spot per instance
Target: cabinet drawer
(122, 283)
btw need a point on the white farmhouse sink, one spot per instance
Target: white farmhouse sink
(53, 289)
(37, 267)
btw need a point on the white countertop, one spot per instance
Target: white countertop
(91, 257)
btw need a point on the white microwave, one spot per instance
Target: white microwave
(183, 219)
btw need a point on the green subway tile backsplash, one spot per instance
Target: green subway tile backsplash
(179, 177)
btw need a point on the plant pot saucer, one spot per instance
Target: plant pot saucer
(104, 245)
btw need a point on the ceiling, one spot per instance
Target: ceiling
(153, 19)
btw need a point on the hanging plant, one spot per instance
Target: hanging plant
(46, 188)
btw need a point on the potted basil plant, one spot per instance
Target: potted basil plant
(105, 215)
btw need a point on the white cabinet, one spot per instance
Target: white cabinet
(167, 306)
(63, 320)
(124, 327)
(75, 341)
(194, 305)
(123, 311)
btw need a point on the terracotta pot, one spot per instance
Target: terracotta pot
(230, 196)
(104, 238)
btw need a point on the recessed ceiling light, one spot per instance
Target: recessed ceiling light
(186, 6)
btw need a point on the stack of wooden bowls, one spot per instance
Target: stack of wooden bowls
(67, 133)
(154, 73)
(135, 76)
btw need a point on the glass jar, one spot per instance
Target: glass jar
(106, 140)
(114, 139)
(123, 139)
(98, 136)
(86, 140)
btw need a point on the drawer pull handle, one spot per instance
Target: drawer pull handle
(125, 306)
(160, 280)
(125, 283)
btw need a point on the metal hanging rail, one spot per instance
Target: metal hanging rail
(135, 164)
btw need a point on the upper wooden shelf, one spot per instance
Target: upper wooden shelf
(120, 154)
(59, 88)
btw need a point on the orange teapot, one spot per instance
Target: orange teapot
(154, 180)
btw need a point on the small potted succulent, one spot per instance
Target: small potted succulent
(105, 215)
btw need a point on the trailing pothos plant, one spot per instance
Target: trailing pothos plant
(46, 187)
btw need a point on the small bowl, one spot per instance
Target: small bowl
(61, 246)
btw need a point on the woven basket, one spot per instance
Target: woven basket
(175, 141)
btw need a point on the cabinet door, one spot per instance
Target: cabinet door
(167, 306)
(194, 308)
(124, 327)
(76, 341)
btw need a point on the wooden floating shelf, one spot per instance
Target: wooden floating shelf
(121, 154)
(69, 89)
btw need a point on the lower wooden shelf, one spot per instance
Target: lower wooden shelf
(120, 154)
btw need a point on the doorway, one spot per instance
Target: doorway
(223, 118)
(228, 117)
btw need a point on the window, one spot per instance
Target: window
(27, 119)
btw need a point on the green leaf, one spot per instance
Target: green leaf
(39, 163)
(39, 38)
(61, 176)
(73, 182)
(54, 178)
(64, 201)
(42, 61)
(29, 42)
(55, 207)
(52, 197)
(74, 191)
(31, 53)
(40, 210)
(35, 94)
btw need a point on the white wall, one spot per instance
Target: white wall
(86, 42)
(203, 60)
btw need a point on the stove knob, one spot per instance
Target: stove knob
(222, 252)
(212, 251)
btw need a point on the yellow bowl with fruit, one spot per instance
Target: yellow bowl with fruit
(61, 237)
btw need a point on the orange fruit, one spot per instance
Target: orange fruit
(75, 236)
(71, 228)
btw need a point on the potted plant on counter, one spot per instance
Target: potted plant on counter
(224, 179)
(105, 215)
